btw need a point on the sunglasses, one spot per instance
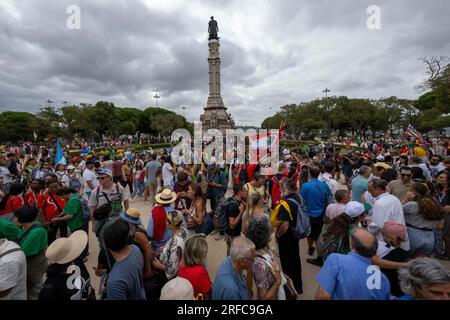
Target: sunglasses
(405, 175)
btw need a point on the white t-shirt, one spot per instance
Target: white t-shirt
(89, 175)
(13, 272)
(4, 171)
(167, 174)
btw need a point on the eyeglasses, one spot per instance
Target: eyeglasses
(405, 175)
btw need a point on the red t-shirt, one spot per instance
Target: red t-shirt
(13, 203)
(199, 278)
(50, 208)
(32, 199)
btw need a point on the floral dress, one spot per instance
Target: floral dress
(171, 255)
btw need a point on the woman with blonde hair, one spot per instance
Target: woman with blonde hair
(193, 267)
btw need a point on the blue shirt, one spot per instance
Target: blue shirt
(125, 279)
(316, 197)
(347, 277)
(359, 186)
(228, 285)
(220, 179)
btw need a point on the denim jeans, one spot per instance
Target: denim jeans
(138, 188)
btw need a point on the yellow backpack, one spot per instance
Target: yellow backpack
(274, 214)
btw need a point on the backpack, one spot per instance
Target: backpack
(303, 227)
(220, 215)
(86, 215)
(74, 183)
(325, 248)
(275, 212)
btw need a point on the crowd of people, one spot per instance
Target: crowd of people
(375, 219)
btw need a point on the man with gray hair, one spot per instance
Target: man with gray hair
(230, 283)
(352, 276)
(359, 184)
(425, 279)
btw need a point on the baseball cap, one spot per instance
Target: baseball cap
(71, 167)
(105, 171)
(380, 158)
(354, 209)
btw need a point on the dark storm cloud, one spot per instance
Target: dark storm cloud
(273, 52)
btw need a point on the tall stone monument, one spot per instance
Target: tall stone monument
(215, 115)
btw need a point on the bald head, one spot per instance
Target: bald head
(364, 243)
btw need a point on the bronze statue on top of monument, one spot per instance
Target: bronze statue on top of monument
(213, 29)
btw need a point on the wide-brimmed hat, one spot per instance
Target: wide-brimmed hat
(166, 196)
(132, 216)
(65, 250)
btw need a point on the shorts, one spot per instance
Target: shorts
(316, 227)
(420, 241)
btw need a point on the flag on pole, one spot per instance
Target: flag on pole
(413, 133)
(60, 159)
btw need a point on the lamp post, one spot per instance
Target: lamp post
(156, 97)
(326, 92)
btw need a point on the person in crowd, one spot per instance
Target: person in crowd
(138, 176)
(127, 170)
(9, 230)
(150, 172)
(288, 244)
(425, 279)
(386, 207)
(33, 243)
(71, 180)
(195, 214)
(423, 214)
(64, 256)
(60, 171)
(193, 266)
(230, 283)
(177, 289)
(335, 236)
(217, 185)
(274, 186)
(168, 172)
(327, 177)
(157, 230)
(389, 175)
(257, 186)
(266, 269)
(402, 162)
(401, 186)
(125, 281)
(442, 195)
(335, 209)
(181, 188)
(90, 178)
(13, 269)
(317, 196)
(109, 192)
(436, 165)
(415, 161)
(395, 258)
(168, 261)
(117, 170)
(345, 277)
(107, 163)
(234, 213)
(256, 210)
(73, 214)
(359, 184)
(13, 200)
(138, 236)
(50, 206)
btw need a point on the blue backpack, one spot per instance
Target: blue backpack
(302, 228)
(86, 215)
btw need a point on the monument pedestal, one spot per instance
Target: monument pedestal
(215, 115)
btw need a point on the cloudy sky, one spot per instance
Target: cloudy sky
(274, 52)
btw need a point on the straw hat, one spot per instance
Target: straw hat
(65, 250)
(132, 216)
(166, 196)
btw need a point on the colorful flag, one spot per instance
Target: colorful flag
(413, 133)
(60, 159)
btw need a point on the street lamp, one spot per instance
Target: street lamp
(326, 92)
(156, 96)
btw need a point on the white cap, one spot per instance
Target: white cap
(177, 289)
(71, 167)
(354, 209)
(380, 158)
